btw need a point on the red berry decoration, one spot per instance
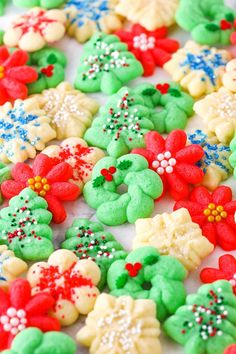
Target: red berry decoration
(214, 212)
(14, 75)
(231, 349)
(151, 48)
(107, 173)
(133, 269)
(225, 25)
(163, 88)
(48, 71)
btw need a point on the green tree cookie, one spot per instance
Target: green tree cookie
(24, 226)
(144, 274)
(89, 240)
(206, 324)
(50, 64)
(232, 158)
(5, 174)
(47, 4)
(106, 65)
(33, 341)
(111, 177)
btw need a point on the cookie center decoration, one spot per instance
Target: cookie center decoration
(164, 163)
(144, 42)
(2, 69)
(133, 269)
(34, 22)
(48, 70)
(215, 213)
(39, 185)
(14, 321)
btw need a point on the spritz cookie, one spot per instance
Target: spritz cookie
(229, 77)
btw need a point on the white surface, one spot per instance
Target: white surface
(123, 233)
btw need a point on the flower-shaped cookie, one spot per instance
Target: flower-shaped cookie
(215, 162)
(14, 75)
(106, 65)
(144, 274)
(47, 4)
(218, 112)
(198, 69)
(145, 12)
(24, 129)
(85, 17)
(71, 282)
(71, 112)
(151, 48)
(11, 267)
(121, 325)
(174, 235)
(35, 29)
(206, 323)
(214, 212)
(5, 174)
(49, 178)
(232, 158)
(229, 77)
(24, 226)
(173, 161)
(20, 310)
(227, 271)
(77, 153)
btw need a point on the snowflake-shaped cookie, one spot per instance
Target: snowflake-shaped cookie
(85, 17)
(198, 69)
(121, 325)
(24, 129)
(175, 235)
(218, 111)
(71, 112)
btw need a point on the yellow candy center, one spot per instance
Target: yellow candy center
(2, 72)
(39, 185)
(215, 213)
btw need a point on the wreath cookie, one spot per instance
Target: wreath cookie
(129, 171)
(209, 21)
(106, 65)
(89, 240)
(47, 4)
(85, 17)
(144, 274)
(71, 282)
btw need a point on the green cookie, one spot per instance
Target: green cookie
(232, 158)
(2, 6)
(1, 37)
(47, 4)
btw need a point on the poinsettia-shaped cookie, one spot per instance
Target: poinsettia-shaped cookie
(14, 75)
(71, 282)
(20, 310)
(173, 161)
(214, 212)
(151, 48)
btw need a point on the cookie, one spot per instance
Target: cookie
(50, 64)
(215, 162)
(11, 267)
(144, 12)
(151, 48)
(5, 174)
(47, 4)
(206, 323)
(231, 349)
(24, 226)
(227, 271)
(229, 76)
(35, 29)
(103, 194)
(24, 129)
(174, 235)
(209, 21)
(173, 161)
(85, 17)
(19, 310)
(121, 325)
(214, 212)
(14, 75)
(145, 274)
(49, 179)
(232, 158)
(71, 282)
(218, 113)
(89, 240)
(106, 65)
(198, 69)
(1, 36)
(71, 112)
(34, 341)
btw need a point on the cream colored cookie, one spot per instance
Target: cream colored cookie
(86, 17)
(229, 78)
(218, 111)
(24, 129)
(35, 29)
(79, 155)
(10, 266)
(70, 110)
(151, 14)
(174, 235)
(121, 325)
(198, 69)
(70, 281)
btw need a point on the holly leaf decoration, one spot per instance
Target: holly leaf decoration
(174, 92)
(52, 59)
(229, 17)
(124, 165)
(99, 181)
(149, 92)
(212, 27)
